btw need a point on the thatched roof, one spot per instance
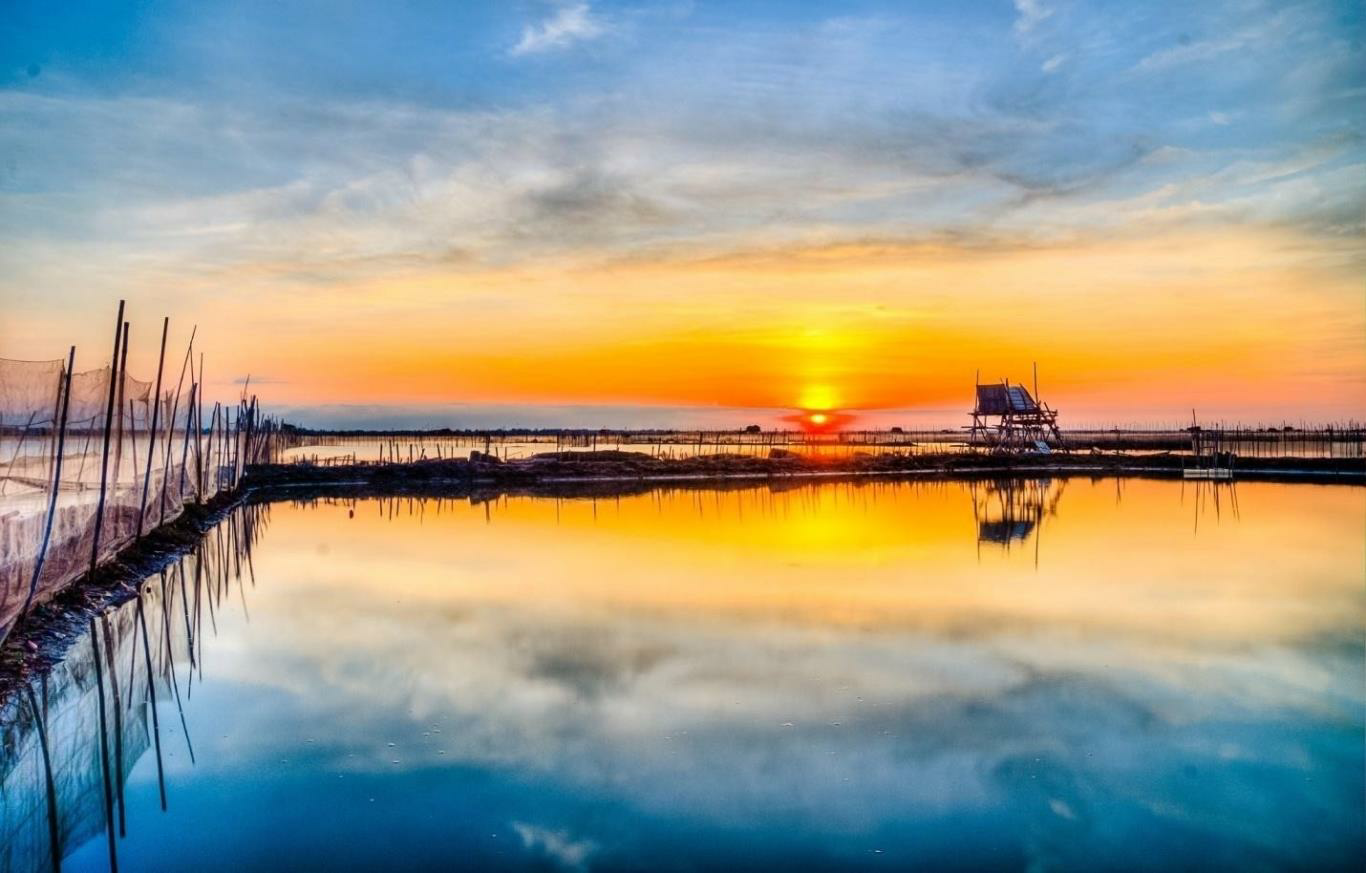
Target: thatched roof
(1003, 398)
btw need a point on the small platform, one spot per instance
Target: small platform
(1208, 473)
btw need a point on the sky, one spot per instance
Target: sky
(695, 213)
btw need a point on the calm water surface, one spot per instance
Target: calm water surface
(1033, 675)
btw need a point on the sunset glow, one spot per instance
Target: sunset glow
(504, 243)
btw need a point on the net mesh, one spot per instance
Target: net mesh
(145, 455)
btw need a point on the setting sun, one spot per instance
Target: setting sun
(820, 421)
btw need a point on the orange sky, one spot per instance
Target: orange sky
(703, 224)
(1245, 324)
(1223, 321)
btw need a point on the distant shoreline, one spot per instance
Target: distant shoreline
(568, 470)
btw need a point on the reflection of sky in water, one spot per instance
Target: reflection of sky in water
(839, 676)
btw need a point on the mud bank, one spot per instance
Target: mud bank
(42, 637)
(553, 472)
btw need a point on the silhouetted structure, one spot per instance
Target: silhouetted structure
(1006, 418)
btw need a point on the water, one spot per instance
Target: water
(1047, 674)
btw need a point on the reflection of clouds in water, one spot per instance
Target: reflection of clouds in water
(558, 846)
(1071, 741)
(597, 710)
(639, 691)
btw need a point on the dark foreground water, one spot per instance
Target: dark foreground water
(1034, 675)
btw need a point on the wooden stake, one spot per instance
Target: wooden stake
(185, 445)
(123, 384)
(108, 426)
(151, 433)
(170, 424)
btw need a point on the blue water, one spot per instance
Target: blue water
(830, 678)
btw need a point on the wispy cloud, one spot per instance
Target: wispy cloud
(1265, 31)
(570, 24)
(802, 153)
(1030, 14)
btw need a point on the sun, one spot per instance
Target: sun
(819, 419)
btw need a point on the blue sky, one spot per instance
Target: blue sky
(995, 106)
(147, 147)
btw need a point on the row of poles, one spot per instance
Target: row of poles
(1334, 441)
(238, 437)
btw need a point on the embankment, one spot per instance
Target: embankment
(44, 632)
(557, 472)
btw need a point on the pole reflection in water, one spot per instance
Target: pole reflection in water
(80, 729)
(835, 676)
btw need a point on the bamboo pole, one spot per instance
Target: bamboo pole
(215, 447)
(133, 430)
(185, 445)
(123, 386)
(170, 424)
(198, 435)
(56, 413)
(108, 426)
(235, 425)
(151, 433)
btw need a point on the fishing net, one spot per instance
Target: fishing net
(135, 451)
(89, 461)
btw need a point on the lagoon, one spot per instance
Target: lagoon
(1057, 674)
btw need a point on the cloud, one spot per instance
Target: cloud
(258, 380)
(479, 416)
(1287, 26)
(1031, 13)
(809, 134)
(570, 24)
